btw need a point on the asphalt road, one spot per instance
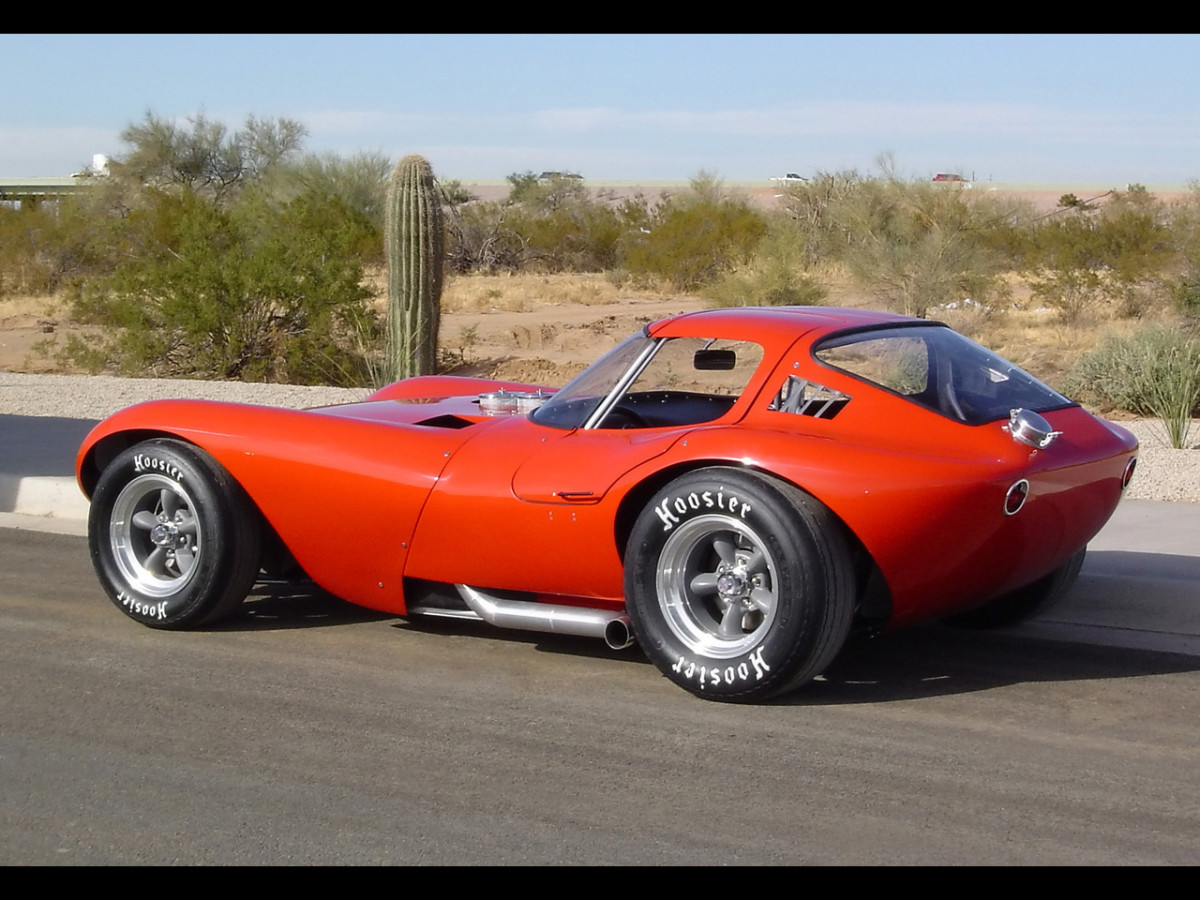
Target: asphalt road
(307, 731)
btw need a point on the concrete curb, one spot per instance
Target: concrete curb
(44, 524)
(55, 496)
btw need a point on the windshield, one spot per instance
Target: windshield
(941, 370)
(570, 407)
(655, 383)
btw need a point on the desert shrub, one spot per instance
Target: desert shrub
(1113, 257)
(359, 181)
(774, 275)
(24, 250)
(543, 195)
(1154, 371)
(690, 240)
(481, 238)
(1184, 225)
(546, 224)
(814, 204)
(44, 246)
(690, 247)
(204, 157)
(580, 236)
(1072, 291)
(876, 223)
(241, 293)
(916, 245)
(1185, 291)
(522, 187)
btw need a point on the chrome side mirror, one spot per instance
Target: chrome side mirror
(1029, 428)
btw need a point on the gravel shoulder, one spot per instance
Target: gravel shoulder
(1163, 473)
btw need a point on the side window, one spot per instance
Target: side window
(941, 370)
(688, 381)
(898, 363)
(700, 366)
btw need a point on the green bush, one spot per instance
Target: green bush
(44, 246)
(774, 275)
(359, 181)
(912, 245)
(692, 245)
(1155, 372)
(1072, 291)
(577, 236)
(1090, 256)
(1184, 224)
(543, 195)
(1186, 293)
(916, 246)
(243, 294)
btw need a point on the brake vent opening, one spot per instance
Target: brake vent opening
(807, 398)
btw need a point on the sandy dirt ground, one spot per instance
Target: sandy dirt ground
(26, 323)
(546, 339)
(550, 344)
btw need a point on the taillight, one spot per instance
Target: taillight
(1015, 498)
(1128, 476)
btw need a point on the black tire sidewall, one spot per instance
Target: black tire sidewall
(220, 527)
(792, 536)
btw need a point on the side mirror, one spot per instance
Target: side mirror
(1029, 428)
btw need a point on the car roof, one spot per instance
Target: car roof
(773, 320)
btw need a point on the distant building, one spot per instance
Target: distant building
(15, 191)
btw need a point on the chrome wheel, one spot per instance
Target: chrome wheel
(155, 536)
(717, 586)
(174, 538)
(738, 586)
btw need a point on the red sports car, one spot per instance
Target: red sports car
(735, 490)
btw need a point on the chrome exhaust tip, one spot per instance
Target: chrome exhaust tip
(523, 615)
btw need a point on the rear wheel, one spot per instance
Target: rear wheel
(173, 537)
(1026, 602)
(739, 587)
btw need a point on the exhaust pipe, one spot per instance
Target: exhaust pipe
(525, 616)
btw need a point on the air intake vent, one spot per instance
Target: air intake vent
(806, 398)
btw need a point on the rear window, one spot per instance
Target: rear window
(938, 368)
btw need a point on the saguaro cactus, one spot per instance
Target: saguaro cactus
(414, 240)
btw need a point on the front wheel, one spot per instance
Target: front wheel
(173, 537)
(739, 586)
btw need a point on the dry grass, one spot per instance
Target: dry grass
(527, 292)
(22, 305)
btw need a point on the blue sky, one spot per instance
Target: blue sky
(1008, 108)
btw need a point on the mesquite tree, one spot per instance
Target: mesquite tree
(414, 239)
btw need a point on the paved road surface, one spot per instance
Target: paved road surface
(309, 731)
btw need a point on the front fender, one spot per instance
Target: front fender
(343, 494)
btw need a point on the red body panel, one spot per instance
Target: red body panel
(416, 482)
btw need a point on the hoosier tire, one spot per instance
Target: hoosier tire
(173, 537)
(739, 586)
